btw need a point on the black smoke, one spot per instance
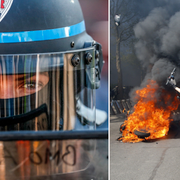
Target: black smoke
(158, 43)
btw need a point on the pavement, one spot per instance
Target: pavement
(158, 159)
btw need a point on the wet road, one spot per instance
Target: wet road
(155, 160)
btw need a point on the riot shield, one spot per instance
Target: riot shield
(54, 155)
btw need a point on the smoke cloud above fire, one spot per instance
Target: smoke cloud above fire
(158, 43)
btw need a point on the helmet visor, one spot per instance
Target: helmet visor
(47, 91)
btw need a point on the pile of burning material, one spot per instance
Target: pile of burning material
(158, 50)
(151, 116)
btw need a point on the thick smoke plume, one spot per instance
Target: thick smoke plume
(158, 45)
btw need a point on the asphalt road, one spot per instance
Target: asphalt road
(155, 160)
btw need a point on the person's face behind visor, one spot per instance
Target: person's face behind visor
(49, 88)
(18, 85)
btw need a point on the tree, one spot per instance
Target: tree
(123, 33)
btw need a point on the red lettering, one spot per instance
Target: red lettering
(2, 4)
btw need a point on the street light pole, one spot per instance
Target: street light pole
(117, 19)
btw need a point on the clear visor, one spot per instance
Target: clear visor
(47, 91)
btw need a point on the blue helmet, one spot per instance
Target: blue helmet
(49, 66)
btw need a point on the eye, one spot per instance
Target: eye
(32, 85)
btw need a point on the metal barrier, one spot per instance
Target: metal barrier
(120, 106)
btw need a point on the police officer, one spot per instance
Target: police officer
(49, 67)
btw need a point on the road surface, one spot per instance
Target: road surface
(155, 160)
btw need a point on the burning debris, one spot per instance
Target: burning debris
(158, 50)
(151, 116)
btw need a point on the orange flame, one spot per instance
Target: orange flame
(151, 113)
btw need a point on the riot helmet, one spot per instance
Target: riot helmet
(49, 66)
